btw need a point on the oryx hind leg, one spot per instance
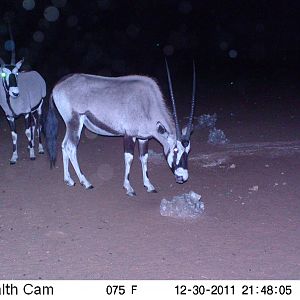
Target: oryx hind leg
(69, 150)
(143, 151)
(14, 136)
(129, 143)
(39, 127)
(29, 131)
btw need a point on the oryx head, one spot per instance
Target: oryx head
(9, 75)
(9, 72)
(179, 146)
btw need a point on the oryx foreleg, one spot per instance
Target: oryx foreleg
(29, 131)
(69, 150)
(143, 150)
(12, 126)
(129, 143)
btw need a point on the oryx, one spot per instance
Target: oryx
(128, 106)
(22, 94)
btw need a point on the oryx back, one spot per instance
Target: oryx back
(129, 105)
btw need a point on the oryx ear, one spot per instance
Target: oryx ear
(162, 130)
(19, 63)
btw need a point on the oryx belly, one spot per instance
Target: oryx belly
(97, 126)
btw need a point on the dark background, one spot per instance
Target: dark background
(121, 37)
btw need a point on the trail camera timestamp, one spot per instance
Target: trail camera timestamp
(204, 290)
(234, 290)
(267, 290)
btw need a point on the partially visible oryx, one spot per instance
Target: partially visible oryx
(128, 106)
(22, 94)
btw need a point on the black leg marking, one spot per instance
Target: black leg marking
(11, 123)
(129, 143)
(143, 147)
(38, 115)
(29, 123)
(12, 126)
(28, 129)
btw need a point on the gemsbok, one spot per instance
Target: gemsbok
(22, 94)
(128, 106)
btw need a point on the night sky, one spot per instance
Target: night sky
(118, 37)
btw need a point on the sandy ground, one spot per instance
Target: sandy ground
(250, 188)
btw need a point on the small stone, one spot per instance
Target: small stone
(254, 188)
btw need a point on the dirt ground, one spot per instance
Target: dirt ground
(250, 188)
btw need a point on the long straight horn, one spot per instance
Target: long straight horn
(178, 134)
(189, 127)
(2, 63)
(13, 51)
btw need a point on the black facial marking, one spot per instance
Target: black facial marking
(10, 67)
(12, 80)
(129, 144)
(183, 162)
(185, 143)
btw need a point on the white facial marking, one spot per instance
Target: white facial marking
(188, 148)
(180, 151)
(182, 173)
(6, 71)
(14, 91)
(170, 158)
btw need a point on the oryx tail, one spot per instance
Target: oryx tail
(51, 128)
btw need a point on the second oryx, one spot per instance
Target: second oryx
(128, 106)
(22, 94)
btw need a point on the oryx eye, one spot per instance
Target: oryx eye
(3, 75)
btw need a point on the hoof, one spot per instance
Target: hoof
(152, 191)
(32, 158)
(89, 187)
(41, 152)
(11, 162)
(69, 184)
(131, 194)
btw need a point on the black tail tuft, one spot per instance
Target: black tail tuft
(51, 129)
